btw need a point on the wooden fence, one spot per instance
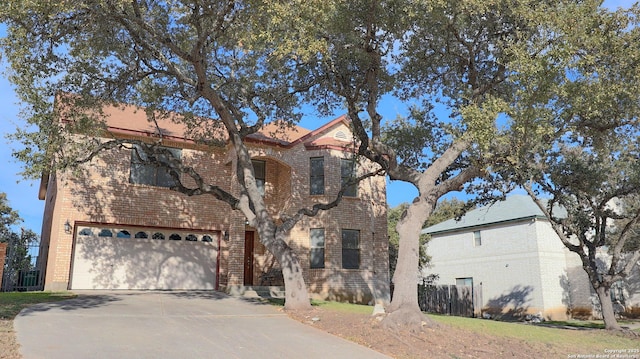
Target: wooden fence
(450, 299)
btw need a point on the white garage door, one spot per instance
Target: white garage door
(127, 258)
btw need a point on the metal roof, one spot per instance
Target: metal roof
(513, 208)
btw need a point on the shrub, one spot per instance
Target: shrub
(631, 312)
(582, 313)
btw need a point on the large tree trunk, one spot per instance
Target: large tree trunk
(272, 237)
(296, 295)
(606, 306)
(404, 310)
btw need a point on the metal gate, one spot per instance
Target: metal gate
(22, 269)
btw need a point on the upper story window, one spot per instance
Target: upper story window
(316, 176)
(350, 249)
(259, 168)
(316, 248)
(151, 173)
(348, 173)
(477, 239)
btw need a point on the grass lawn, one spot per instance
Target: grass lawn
(460, 337)
(337, 306)
(343, 307)
(584, 324)
(585, 334)
(593, 340)
(12, 303)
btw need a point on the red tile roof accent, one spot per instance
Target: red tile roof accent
(133, 120)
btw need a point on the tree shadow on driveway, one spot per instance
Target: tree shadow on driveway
(197, 294)
(79, 302)
(89, 300)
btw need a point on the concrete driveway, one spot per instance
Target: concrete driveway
(127, 324)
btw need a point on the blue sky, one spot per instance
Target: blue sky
(23, 194)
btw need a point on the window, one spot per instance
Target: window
(123, 234)
(477, 240)
(151, 173)
(141, 235)
(207, 239)
(105, 233)
(158, 235)
(316, 177)
(350, 249)
(348, 173)
(316, 248)
(259, 168)
(617, 292)
(464, 282)
(191, 238)
(85, 232)
(175, 237)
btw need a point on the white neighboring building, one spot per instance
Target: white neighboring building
(514, 260)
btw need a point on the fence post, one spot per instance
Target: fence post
(477, 300)
(3, 256)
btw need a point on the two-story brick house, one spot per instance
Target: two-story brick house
(115, 224)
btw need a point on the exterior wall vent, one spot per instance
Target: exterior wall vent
(340, 135)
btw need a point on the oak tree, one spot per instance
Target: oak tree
(582, 165)
(227, 68)
(452, 64)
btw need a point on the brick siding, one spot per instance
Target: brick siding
(100, 193)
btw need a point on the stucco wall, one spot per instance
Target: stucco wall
(507, 265)
(553, 271)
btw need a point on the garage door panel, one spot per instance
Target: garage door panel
(139, 263)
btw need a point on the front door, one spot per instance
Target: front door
(248, 258)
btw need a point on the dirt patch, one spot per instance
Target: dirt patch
(442, 341)
(8, 344)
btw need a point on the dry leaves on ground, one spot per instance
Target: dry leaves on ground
(8, 345)
(443, 341)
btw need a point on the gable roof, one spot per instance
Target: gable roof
(513, 208)
(278, 133)
(132, 120)
(313, 140)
